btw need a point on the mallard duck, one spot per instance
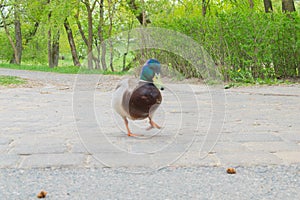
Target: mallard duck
(139, 99)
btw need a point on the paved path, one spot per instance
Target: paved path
(66, 121)
(262, 182)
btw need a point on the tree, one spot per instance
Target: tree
(204, 7)
(251, 3)
(72, 43)
(53, 41)
(288, 6)
(139, 12)
(17, 48)
(18, 35)
(53, 48)
(32, 32)
(90, 8)
(100, 35)
(111, 11)
(268, 6)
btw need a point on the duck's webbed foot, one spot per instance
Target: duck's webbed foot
(132, 135)
(153, 124)
(128, 130)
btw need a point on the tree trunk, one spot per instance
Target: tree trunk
(55, 49)
(251, 3)
(144, 16)
(90, 33)
(80, 29)
(204, 7)
(71, 43)
(90, 40)
(111, 49)
(9, 37)
(100, 35)
(103, 54)
(124, 68)
(49, 43)
(50, 60)
(97, 62)
(288, 6)
(268, 6)
(139, 13)
(53, 45)
(111, 10)
(18, 37)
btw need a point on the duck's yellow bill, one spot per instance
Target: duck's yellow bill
(157, 82)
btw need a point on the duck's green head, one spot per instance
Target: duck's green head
(150, 69)
(151, 72)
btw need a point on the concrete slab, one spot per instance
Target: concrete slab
(47, 125)
(53, 160)
(248, 159)
(9, 161)
(39, 145)
(289, 157)
(272, 147)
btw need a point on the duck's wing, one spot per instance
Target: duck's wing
(144, 100)
(121, 96)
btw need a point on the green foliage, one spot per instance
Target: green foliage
(246, 77)
(175, 63)
(35, 52)
(11, 80)
(247, 46)
(6, 51)
(241, 75)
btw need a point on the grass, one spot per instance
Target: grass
(65, 70)
(11, 80)
(260, 82)
(59, 69)
(4, 80)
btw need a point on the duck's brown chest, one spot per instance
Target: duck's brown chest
(144, 100)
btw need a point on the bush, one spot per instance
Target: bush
(259, 45)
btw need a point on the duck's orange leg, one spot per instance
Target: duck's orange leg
(153, 124)
(127, 127)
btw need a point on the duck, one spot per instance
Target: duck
(139, 99)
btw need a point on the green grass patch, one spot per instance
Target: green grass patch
(60, 69)
(260, 82)
(11, 80)
(63, 69)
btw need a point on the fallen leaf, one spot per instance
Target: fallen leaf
(231, 171)
(42, 194)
